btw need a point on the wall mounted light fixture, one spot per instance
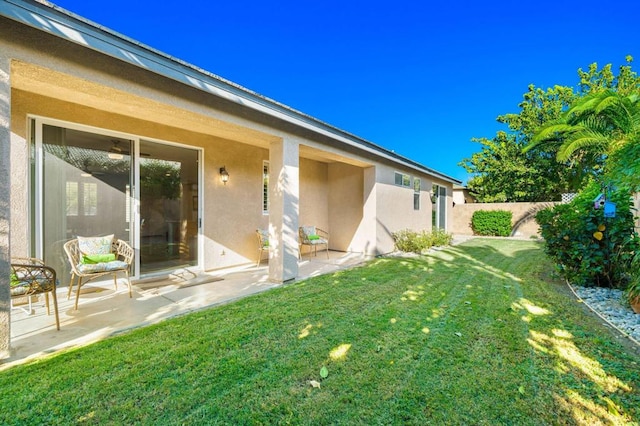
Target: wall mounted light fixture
(115, 152)
(224, 175)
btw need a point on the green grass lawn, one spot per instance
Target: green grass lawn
(478, 333)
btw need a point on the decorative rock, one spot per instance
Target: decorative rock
(610, 304)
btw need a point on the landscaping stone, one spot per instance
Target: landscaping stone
(610, 304)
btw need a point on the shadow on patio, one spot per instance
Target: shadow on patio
(103, 312)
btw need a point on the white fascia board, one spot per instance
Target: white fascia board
(50, 18)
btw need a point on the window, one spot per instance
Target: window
(265, 187)
(72, 198)
(90, 199)
(416, 193)
(402, 179)
(87, 193)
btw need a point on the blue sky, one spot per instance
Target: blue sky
(418, 77)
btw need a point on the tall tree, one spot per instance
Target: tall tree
(597, 124)
(540, 176)
(502, 173)
(603, 125)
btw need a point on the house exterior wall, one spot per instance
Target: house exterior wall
(5, 204)
(81, 86)
(314, 193)
(462, 196)
(345, 201)
(391, 207)
(89, 77)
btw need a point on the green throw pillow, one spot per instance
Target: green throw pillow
(14, 280)
(98, 258)
(314, 237)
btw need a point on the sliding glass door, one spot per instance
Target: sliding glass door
(85, 184)
(84, 190)
(168, 207)
(439, 207)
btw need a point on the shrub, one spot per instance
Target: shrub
(440, 237)
(411, 241)
(491, 222)
(588, 248)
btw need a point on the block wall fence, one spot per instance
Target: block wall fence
(524, 224)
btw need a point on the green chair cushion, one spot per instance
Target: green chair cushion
(98, 258)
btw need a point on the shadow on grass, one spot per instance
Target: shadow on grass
(579, 368)
(475, 333)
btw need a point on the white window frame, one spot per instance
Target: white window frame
(416, 193)
(133, 208)
(405, 179)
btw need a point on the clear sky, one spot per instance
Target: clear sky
(418, 77)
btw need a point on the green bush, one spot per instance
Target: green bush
(491, 222)
(588, 248)
(440, 237)
(411, 241)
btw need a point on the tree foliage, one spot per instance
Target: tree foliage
(510, 168)
(589, 248)
(604, 124)
(598, 124)
(504, 174)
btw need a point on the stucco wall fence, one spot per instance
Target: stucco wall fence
(523, 222)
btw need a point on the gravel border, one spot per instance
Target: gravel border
(608, 304)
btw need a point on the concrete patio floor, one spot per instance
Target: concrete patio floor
(104, 311)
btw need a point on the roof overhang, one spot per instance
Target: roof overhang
(52, 19)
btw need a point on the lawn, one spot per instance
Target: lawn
(478, 333)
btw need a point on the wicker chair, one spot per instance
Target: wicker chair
(30, 277)
(263, 243)
(312, 237)
(80, 270)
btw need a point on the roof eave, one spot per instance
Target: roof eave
(50, 18)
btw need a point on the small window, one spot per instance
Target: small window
(90, 199)
(402, 179)
(72, 198)
(416, 193)
(82, 200)
(265, 187)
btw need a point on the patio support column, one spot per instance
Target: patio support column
(370, 212)
(5, 206)
(284, 187)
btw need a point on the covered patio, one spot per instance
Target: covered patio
(102, 135)
(103, 312)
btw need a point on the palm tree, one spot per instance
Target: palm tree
(595, 127)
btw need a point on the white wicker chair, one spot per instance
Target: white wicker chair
(79, 271)
(312, 237)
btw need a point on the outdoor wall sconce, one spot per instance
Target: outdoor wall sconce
(115, 152)
(224, 175)
(434, 197)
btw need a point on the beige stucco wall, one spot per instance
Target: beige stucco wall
(462, 196)
(5, 210)
(394, 208)
(346, 186)
(314, 193)
(524, 224)
(81, 86)
(239, 199)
